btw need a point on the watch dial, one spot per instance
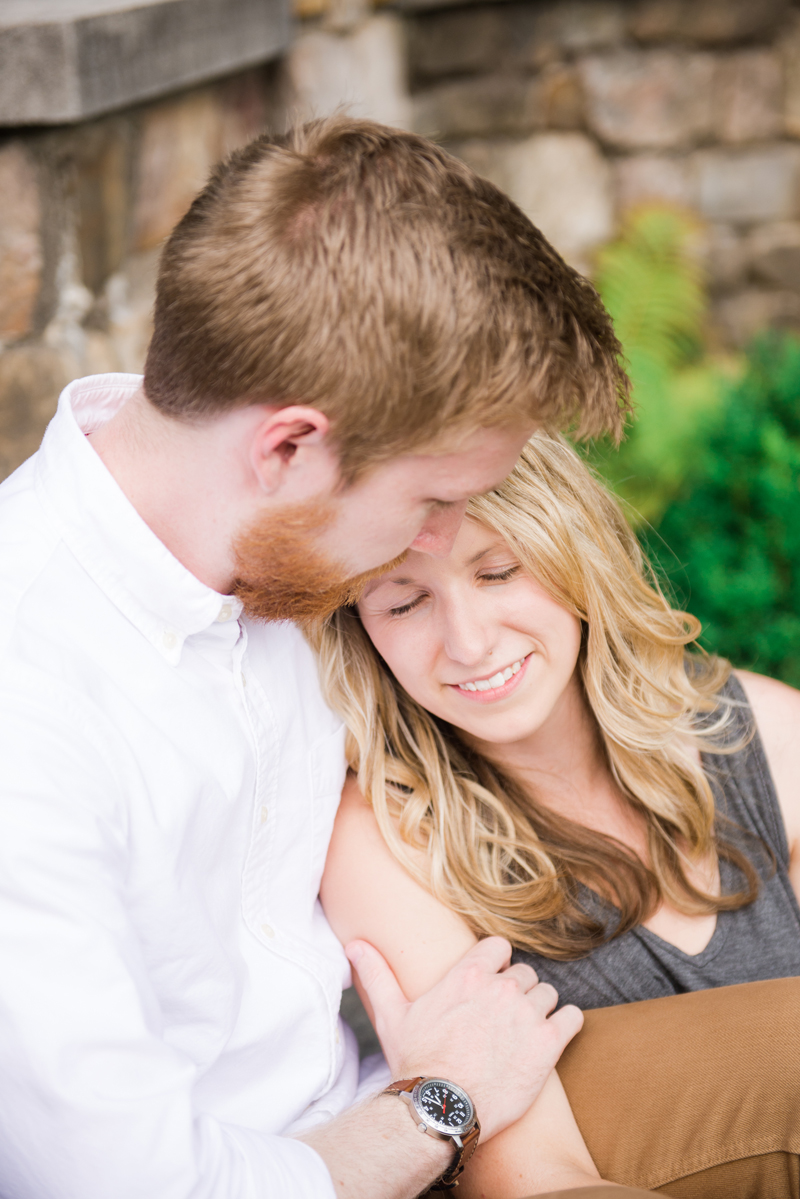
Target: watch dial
(444, 1105)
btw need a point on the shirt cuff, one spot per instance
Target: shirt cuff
(284, 1168)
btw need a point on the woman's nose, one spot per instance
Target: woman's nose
(466, 637)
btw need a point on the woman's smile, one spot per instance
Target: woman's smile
(496, 686)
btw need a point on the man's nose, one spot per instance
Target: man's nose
(438, 534)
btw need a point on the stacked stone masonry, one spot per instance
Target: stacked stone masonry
(580, 109)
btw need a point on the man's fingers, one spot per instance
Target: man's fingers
(567, 1022)
(544, 998)
(492, 954)
(385, 995)
(525, 976)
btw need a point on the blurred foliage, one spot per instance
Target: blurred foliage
(729, 543)
(710, 469)
(651, 281)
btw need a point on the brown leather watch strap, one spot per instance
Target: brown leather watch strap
(469, 1142)
(403, 1084)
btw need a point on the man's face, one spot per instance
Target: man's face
(304, 562)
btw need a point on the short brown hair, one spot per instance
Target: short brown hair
(366, 272)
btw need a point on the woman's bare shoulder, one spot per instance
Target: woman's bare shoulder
(368, 894)
(776, 708)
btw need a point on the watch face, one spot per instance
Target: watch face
(444, 1106)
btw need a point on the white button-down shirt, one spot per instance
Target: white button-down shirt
(169, 775)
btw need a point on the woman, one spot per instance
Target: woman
(544, 759)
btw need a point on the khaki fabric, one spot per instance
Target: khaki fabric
(695, 1096)
(600, 1192)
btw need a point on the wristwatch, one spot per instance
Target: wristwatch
(445, 1111)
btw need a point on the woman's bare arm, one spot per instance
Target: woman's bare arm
(776, 708)
(368, 895)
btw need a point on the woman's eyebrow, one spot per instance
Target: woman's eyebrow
(481, 554)
(376, 585)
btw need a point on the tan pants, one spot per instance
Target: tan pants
(694, 1096)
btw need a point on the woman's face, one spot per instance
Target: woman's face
(474, 639)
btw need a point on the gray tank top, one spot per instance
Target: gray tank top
(759, 941)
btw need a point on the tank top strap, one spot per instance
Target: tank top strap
(743, 787)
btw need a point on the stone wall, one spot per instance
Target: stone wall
(578, 108)
(84, 211)
(582, 108)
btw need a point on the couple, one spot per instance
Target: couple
(354, 336)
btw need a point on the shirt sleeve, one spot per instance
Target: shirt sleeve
(95, 1104)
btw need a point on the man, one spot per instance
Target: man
(353, 334)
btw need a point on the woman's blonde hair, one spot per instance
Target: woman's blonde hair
(508, 865)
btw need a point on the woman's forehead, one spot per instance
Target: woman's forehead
(473, 542)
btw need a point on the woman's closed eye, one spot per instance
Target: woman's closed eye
(409, 606)
(493, 576)
(501, 576)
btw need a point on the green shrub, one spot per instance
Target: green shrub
(729, 542)
(653, 286)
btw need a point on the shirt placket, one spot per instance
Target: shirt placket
(260, 862)
(265, 741)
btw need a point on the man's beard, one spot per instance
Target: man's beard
(283, 575)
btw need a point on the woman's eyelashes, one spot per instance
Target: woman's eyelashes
(409, 607)
(494, 576)
(502, 576)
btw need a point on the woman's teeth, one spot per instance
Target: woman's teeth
(495, 681)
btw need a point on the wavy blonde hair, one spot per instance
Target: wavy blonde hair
(503, 861)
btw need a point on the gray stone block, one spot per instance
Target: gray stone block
(774, 252)
(747, 313)
(457, 43)
(64, 60)
(748, 88)
(362, 71)
(560, 180)
(652, 177)
(726, 256)
(706, 21)
(648, 98)
(500, 104)
(581, 25)
(758, 184)
(789, 46)
(490, 105)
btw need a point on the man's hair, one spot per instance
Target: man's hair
(366, 272)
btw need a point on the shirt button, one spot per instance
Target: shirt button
(264, 813)
(169, 639)
(244, 679)
(225, 613)
(268, 930)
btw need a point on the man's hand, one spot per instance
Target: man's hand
(486, 1026)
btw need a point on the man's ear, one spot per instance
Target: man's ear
(289, 453)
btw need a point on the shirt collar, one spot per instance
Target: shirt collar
(105, 532)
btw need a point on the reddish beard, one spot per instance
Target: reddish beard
(283, 575)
